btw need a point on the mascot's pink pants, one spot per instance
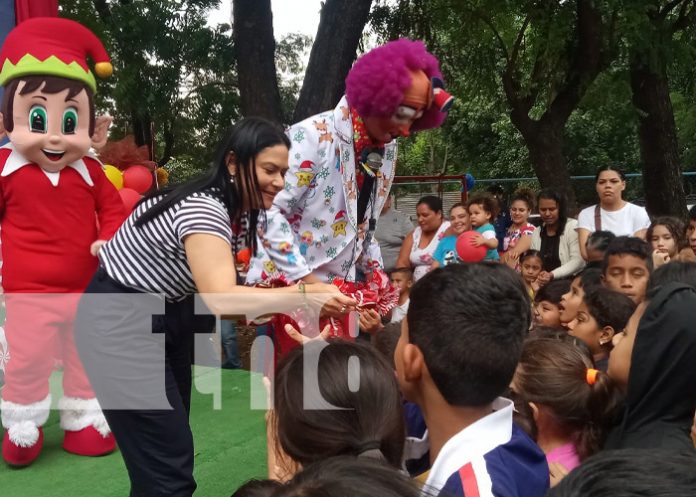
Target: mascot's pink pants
(39, 328)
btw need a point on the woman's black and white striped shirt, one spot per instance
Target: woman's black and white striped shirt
(151, 258)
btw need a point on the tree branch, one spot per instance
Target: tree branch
(664, 12)
(685, 19)
(518, 41)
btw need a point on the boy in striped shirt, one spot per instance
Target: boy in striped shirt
(458, 350)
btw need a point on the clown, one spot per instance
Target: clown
(56, 210)
(349, 155)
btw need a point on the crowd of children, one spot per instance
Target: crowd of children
(488, 380)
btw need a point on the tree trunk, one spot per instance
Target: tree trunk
(659, 149)
(255, 53)
(142, 131)
(333, 53)
(544, 140)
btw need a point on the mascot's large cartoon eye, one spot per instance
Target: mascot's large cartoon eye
(69, 121)
(38, 122)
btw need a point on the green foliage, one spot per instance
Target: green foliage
(170, 69)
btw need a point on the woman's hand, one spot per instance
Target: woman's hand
(300, 338)
(338, 305)
(370, 321)
(544, 278)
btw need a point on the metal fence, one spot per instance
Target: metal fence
(449, 190)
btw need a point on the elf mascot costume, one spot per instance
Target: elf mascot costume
(56, 210)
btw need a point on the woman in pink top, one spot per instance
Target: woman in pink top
(571, 405)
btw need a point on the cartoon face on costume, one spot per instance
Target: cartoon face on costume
(305, 175)
(339, 228)
(307, 237)
(50, 130)
(270, 267)
(285, 247)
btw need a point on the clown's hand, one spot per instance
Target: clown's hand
(300, 338)
(96, 246)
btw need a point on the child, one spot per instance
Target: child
(572, 404)
(666, 237)
(627, 266)
(482, 209)
(585, 281)
(547, 301)
(345, 409)
(602, 314)
(402, 278)
(530, 267)
(597, 244)
(446, 251)
(457, 353)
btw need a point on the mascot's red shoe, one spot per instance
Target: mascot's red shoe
(86, 430)
(19, 456)
(23, 439)
(88, 442)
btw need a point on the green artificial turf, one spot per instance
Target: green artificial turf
(230, 448)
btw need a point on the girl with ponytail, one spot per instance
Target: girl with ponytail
(572, 404)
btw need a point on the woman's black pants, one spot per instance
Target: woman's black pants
(137, 350)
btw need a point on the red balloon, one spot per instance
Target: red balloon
(129, 197)
(138, 178)
(466, 251)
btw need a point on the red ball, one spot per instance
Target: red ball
(466, 251)
(129, 197)
(138, 178)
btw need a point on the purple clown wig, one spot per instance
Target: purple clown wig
(376, 83)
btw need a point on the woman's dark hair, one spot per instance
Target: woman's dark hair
(357, 406)
(552, 291)
(674, 272)
(553, 373)
(609, 167)
(674, 225)
(487, 202)
(386, 340)
(631, 473)
(258, 488)
(525, 195)
(561, 202)
(530, 253)
(458, 204)
(600, 240)
(245, 139)
(590, 278)
(357, 477)
(434, 203)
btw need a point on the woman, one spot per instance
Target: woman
(556, 239)
(446, 250)
(518, 237)
(419, 245)
(176, 243)
(612, 213)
